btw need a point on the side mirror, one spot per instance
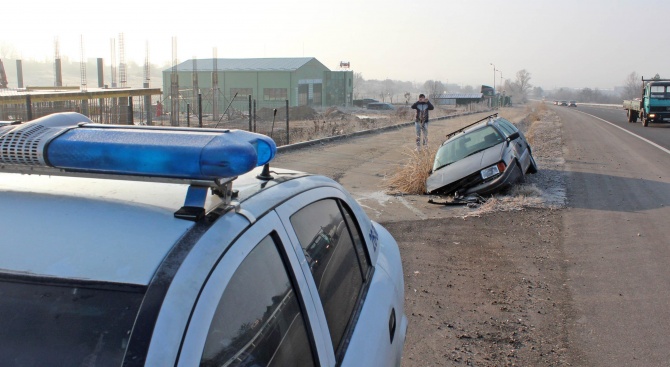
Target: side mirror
(514, 135)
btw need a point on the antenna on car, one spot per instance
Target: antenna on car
(474, 123)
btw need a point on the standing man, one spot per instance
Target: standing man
(422, 106)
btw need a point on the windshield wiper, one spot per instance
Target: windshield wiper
(442, 166)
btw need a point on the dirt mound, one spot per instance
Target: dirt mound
(295, 113)
(302, 113)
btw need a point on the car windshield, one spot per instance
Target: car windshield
(53, 324)
(465, 145)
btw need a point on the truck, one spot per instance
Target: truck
(654, 106)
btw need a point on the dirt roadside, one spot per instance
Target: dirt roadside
(484, 286)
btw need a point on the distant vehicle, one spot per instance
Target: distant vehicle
(563, 103)
(572, 104)
(654, 106)
(483, 159)
(556, 103)
(169, 246)
(363, 102)
(380, 106)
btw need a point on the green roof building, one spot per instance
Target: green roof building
(302, 81)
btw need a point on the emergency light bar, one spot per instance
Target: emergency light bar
(73, 143)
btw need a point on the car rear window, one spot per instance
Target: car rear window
(53, 324)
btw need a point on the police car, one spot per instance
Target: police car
(162, 246)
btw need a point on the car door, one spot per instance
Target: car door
(355, 303)
(519, 145)
(252, 309)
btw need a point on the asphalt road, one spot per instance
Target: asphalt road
(659, 133)
(615, 237)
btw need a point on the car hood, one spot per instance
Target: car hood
(464, 167)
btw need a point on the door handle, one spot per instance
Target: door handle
(392, 324)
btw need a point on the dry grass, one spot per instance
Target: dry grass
(410, 178)
(518, 198)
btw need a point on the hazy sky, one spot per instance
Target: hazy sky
(567, 43)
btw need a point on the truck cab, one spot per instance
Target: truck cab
(655, 101)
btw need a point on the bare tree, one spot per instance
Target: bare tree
(389, 90)
(523, 83)
(632, 86)
(468, 89)
(433, 88)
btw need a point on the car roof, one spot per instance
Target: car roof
(88, 224)
(470, 129)
(107, 230)
(91, 229)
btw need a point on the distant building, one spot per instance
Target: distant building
(458, 99)
(303, 81)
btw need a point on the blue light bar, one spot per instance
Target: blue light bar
(165, 153)
(151, 151)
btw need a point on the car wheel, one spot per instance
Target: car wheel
(532, 167)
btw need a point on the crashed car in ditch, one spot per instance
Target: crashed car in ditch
(485, 157)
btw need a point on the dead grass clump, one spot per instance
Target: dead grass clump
(520, 197)
(513, 114)
(535, 111)
(411, 177)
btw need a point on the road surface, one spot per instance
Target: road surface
(616, 239)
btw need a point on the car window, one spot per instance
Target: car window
(333, 261)
(65, 324)
(507, 127)
(467, 144)
(258, 321)
(355, 232)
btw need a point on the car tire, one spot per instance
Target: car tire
(532, 167)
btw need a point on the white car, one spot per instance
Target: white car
(155, 246)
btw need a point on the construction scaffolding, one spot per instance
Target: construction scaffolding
(125, 106)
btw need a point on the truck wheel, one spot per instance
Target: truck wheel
(629, 114)
(645, 122)
(634, 115)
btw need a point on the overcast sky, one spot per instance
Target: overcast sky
(568, 43)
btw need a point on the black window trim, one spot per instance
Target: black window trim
(344, 207)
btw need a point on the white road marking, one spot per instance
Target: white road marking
(631, 133)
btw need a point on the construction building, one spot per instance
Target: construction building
(269, 82)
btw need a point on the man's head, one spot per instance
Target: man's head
(422, 97)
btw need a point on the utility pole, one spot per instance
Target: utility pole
(494, 76)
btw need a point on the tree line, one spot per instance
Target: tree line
(396, 91)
